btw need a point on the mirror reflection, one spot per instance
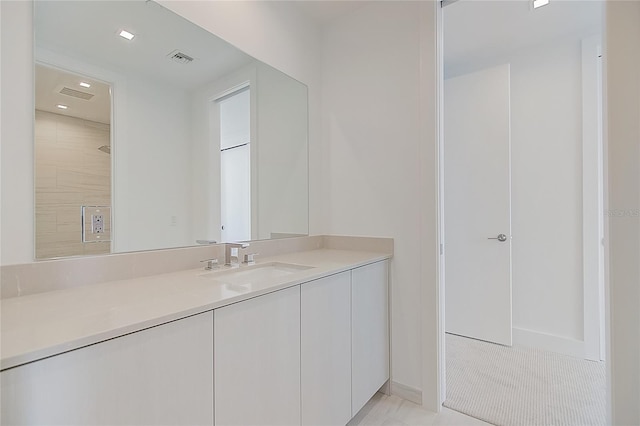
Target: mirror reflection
(72, 135)
(151, 132)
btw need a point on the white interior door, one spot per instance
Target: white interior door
(235, 193)
(477, 205)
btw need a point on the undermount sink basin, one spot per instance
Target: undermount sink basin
(247, 275)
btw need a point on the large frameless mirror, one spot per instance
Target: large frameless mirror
(151, 132)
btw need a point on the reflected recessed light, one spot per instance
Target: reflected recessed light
(62, 106)
(540, 3)
(83, 84)
(126, 34)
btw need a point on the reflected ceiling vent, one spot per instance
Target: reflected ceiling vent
(180, 57)
(76, 93)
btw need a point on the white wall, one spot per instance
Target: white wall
(17, 132)
(546, 123)
(1, 136)
(282, 154)
(371, 128)
(152, 168)
(622, 61)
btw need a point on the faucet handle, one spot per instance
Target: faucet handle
(248, 258)
(211, 264)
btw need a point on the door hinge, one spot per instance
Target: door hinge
(441, 249)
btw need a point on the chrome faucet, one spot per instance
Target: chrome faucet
(231, 259)
(210, 264)
(249, 258)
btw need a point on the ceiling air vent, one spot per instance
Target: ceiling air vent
(76, 93)
(180, 57)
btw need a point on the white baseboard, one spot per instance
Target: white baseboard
(548, 342)
(406, 392)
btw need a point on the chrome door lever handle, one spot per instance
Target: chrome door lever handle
(501, 237)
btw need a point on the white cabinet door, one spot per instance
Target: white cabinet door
(326, 350)
(370, 332)
(159, 376)
(257, 361)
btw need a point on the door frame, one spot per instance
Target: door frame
(215, 142)
(205, 105)
(593, 203)
(432, 223)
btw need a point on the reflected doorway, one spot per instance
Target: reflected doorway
(72, 163)
(235, 165)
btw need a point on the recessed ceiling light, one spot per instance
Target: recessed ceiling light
(62, 106)
(84, 84)
(540, 3)
(126, 34)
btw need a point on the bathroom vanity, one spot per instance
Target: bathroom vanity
(299, 338)
(139, 336)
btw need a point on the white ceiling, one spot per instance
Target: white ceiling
(48, 83)
(325, 11)
(478, 30)
(88, 30)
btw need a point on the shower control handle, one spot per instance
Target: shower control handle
(501, 237)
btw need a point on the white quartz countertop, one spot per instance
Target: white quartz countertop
(45, 324)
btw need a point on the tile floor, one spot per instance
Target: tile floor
(385, 410)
